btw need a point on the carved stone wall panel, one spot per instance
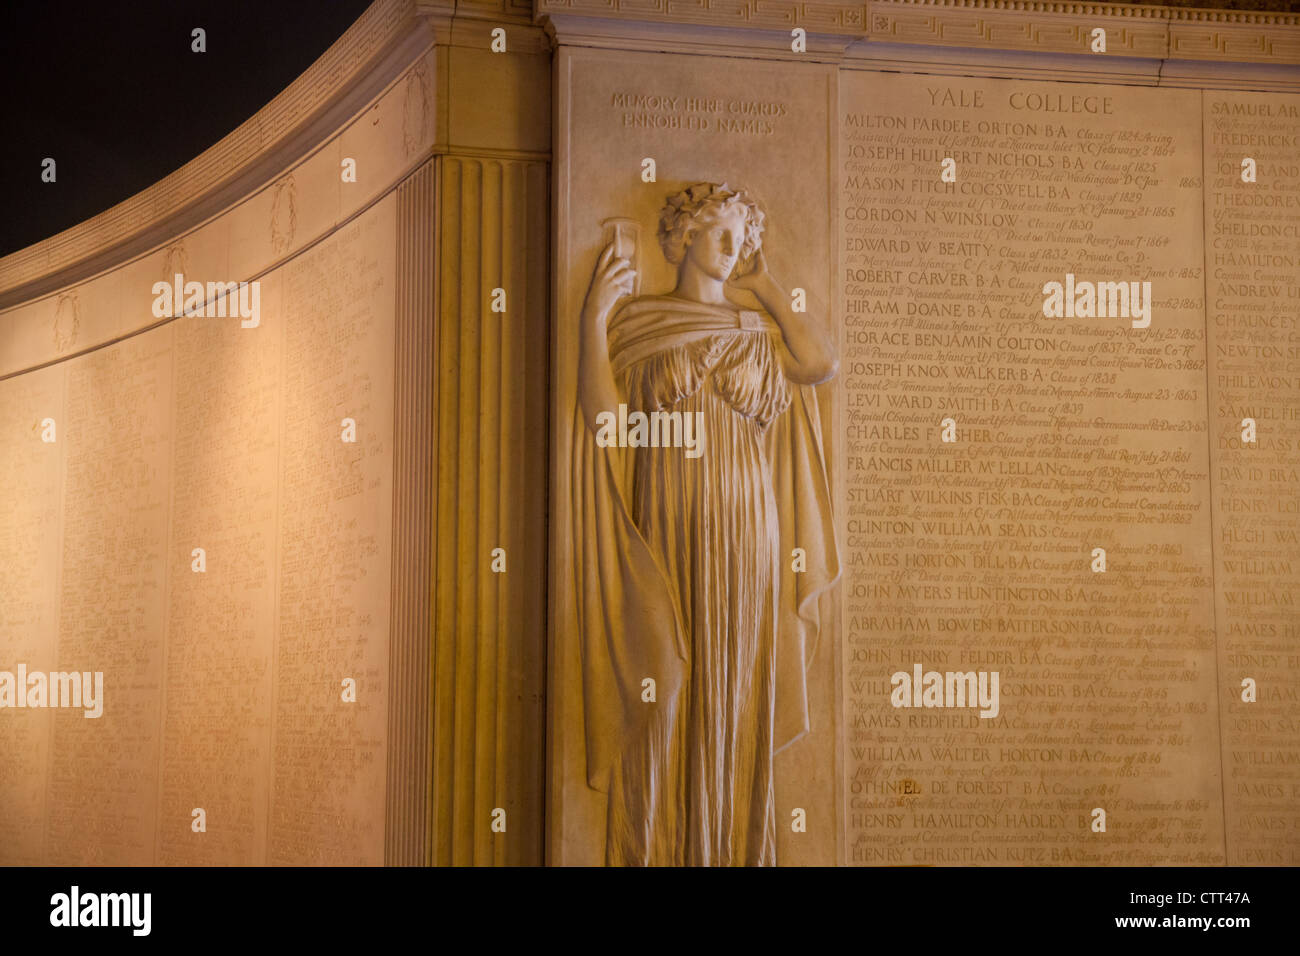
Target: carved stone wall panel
(765, 129)
(962, 565)
(335, 548)
(221, 625)
(30, 544)
(222, 670)
(1252, 288)
(488, 647)
(101, 795)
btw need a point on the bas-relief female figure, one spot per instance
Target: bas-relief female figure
(685, 572)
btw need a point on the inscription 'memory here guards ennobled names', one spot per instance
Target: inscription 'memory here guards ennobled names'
(712, 114)
(1073, 434)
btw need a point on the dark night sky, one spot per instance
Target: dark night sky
(112, 91)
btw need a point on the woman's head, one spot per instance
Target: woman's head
(713, 226)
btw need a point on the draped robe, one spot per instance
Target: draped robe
(683, 574)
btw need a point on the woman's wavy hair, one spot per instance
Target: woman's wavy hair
(695, 205)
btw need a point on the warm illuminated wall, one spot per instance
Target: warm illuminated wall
(1120, 690)
(433, 560)
(280, 679)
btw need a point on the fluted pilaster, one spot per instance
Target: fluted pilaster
(489, 627)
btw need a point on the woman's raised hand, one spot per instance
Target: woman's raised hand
(612, 279)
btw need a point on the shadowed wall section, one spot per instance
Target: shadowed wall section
(413, 493)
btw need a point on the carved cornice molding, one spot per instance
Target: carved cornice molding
(1059, 27)
(818, 16)
(521, 10)
(1038, 26)
(1131, 10)
(834, 16)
